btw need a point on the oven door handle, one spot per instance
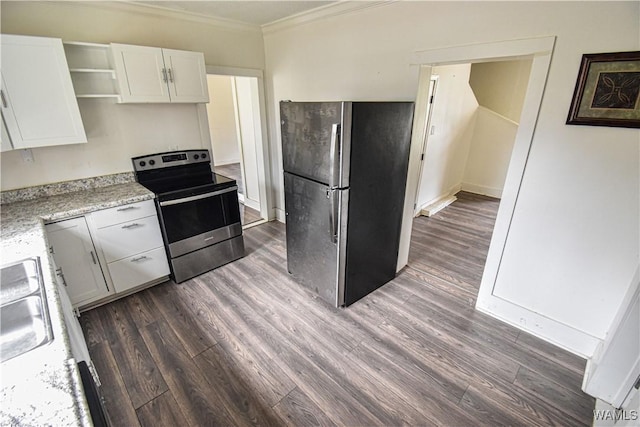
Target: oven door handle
(198, 197)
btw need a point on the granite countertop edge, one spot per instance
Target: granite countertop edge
(43, 387)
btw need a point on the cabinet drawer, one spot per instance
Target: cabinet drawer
(124, 213)
(130, 238)
(139, 269)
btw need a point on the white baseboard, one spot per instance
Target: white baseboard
(241, 198)
(253, 204)
(225, 162)
(564, 336)
(280, 215)
(435, 205)
(438, 205)
(482, 189)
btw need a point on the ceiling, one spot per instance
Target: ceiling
(248, 12)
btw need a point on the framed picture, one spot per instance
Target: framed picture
(607, 92)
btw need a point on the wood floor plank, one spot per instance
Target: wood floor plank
(189, 387)
(120, 410)
(161, 411)
(92, 328)
(231, 391)
(142, 308)
(578, 405)
(245, 351)
(296, 409)
(194, 335)
(139, 371)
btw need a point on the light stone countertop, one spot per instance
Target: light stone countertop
(43, 387)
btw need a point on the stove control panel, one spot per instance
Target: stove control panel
(169, 159)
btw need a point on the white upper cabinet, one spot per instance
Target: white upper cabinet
(39, 106)
(151, 74)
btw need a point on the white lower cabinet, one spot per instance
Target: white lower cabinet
(131, 244)
(109, 252)
(76, 258)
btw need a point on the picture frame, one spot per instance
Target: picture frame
(607, 91)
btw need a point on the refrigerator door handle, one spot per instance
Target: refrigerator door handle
(333, 215)
(335, 140)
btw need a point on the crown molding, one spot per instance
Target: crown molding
(163, 12)
(323, 12)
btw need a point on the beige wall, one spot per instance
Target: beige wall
(117, 132)
(489, 153)
(452, 121)
(566, 257)
(501, 86)
(221, 112)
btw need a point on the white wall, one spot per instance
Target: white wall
(221, 113)
(573, 243)
(452, 119)
(489, 153)
(501, 86)
(118, 132)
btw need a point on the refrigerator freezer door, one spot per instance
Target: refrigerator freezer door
(315, 141)
(381, 138)
(314, 240)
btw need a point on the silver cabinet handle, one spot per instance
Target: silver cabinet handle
(127, 208)
(164, 75)
(135, 224)
(170, 75)
(93, 257)
(4, 100)
(59, 273)
(140, 258)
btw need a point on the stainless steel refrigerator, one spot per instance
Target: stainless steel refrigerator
(345, 173)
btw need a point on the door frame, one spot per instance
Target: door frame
(433, 86)
(267, 211)
(539, 50)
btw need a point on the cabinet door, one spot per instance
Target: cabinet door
(38, 101)
(187, 76)
(141, 73)
(75, 255)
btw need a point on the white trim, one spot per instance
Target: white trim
(262, 149)
(234, 71)
(505, 118)
(418, 134)
(323, 12)
(154, 10)
(482, 189)
(541, 48)
(550, 330)
(437, 205)
(253, 204)
(485, 52)
(254, 223)
(280, 215)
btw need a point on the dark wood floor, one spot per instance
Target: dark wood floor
(246, 345)
(248, 215)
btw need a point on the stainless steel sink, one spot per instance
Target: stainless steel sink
(24, 319)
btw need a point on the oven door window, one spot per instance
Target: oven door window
(193, 217)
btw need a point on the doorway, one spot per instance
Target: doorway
(489, 299)
(472, 123)
(235, 127)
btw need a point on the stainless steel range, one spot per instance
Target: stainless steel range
(198, 210)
